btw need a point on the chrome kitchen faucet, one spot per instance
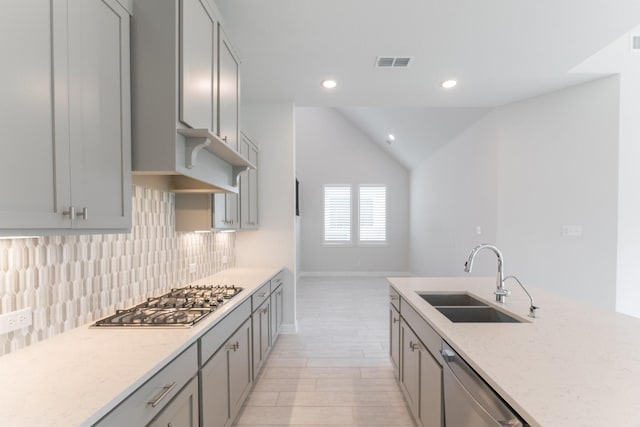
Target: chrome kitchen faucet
(501, 292)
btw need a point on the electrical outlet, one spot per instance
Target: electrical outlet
(572, 230)
(193, 268)
(15, 320)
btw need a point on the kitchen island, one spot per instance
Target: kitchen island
(574, 365)
(76, 378)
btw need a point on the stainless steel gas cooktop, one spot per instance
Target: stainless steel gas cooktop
(182, 307)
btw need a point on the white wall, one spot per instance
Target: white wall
(558, 166)
(628, 290)
(330, 150)
(453, 193)
(271, 125)
(522, 172)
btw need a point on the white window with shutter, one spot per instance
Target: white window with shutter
(372, 214)
(337, 214)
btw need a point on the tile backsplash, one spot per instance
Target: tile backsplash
(69, 281)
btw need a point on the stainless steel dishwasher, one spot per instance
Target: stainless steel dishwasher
(468, 400)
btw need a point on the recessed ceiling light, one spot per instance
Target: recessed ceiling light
(329, 84)
(448, 84)
(390, 138)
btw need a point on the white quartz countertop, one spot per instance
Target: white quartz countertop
(575, 365)
(75, 378)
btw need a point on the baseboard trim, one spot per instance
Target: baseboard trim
(289, 328)
(303, 274)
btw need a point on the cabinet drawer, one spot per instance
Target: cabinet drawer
(425, 333)
(261, 295)
(277, 280)
(148, 400)
(394, 298)
(218, 334)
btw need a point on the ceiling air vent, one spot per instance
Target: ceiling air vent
(393, 61)
(635, 43)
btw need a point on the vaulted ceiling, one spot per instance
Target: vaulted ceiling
(500, 51)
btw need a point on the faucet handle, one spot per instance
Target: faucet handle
(505, 292)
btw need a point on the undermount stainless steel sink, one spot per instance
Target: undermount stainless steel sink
(463, 308)
(476, 315)
(452, 300)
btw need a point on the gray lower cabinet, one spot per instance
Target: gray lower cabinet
(148, 401)
(276, 313)
(430, 403)
(182, 411)
(394, 339)
(410, 367)
(414, 351)
(214, 377)
(420, 378)
(226, 379)
(261, 335)
(65, 103)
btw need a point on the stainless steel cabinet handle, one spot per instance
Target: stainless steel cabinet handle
(447, 354)
(71, 213)
(233, 347)
(395, 320)
(262, 295)
(394, 297)
(84, 214)
(265, 310)
(414, 346)
(165, 391)
(224, 139)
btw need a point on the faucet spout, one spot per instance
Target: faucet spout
(501, 293)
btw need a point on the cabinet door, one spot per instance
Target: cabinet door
(214, 377)
(228, 91)
(182, 411)
(394, 338)
(276, 313)
(261, 336)
(249, 186)
(34, 161)
(430, 390)
(99, 111)
(197, 41)
(409, 367)
(225, 211)
(239, 368)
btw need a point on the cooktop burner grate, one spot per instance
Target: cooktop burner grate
(181, 307)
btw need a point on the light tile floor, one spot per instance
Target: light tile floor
(336, 370)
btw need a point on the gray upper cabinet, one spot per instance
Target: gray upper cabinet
(226, 214)
(100, 114)
(228, 91)
(66, 114)
(198, 29)
(177, 64)
(249, 185)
